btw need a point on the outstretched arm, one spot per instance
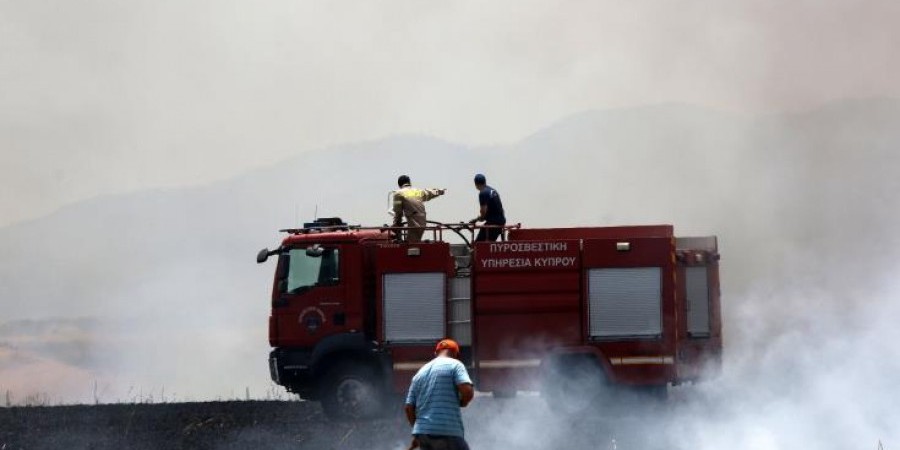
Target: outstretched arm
(428, 194)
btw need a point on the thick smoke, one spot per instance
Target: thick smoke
(827, 381)
(809, 291)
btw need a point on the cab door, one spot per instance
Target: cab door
(311, 292)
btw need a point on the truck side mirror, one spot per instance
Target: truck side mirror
(262, 256)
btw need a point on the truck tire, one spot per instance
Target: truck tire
(352, 392)
(575, 385)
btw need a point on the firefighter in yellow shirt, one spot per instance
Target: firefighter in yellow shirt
(409, 202)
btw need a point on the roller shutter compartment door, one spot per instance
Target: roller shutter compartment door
(625, 302)
(414, 307)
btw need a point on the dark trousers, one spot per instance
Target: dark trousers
(435, 442)
(489, 234)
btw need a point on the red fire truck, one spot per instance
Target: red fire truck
(571, 312)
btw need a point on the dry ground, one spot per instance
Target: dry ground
(521, 423)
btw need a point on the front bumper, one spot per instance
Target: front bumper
(291, 368)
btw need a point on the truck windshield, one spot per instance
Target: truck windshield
(305, 271)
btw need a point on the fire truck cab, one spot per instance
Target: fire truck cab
(571, 312)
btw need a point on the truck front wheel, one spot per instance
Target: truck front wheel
(352, 392)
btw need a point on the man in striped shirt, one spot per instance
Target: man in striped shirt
(437, 392)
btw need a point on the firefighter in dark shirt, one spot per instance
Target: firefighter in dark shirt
(491, 211)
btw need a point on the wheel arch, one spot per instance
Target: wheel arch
(561, 357)
(351, 348)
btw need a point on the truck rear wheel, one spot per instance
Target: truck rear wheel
(352, 392)
(574, 385)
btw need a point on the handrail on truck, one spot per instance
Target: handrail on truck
(436, 229)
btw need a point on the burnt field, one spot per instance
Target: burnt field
(213, 425)
(522, 423)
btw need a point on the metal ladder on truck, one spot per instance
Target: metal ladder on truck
(459, 322)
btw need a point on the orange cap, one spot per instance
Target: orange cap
(447, 344)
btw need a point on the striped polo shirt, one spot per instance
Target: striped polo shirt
(433, 393)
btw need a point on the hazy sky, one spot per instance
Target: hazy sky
(102, 96)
